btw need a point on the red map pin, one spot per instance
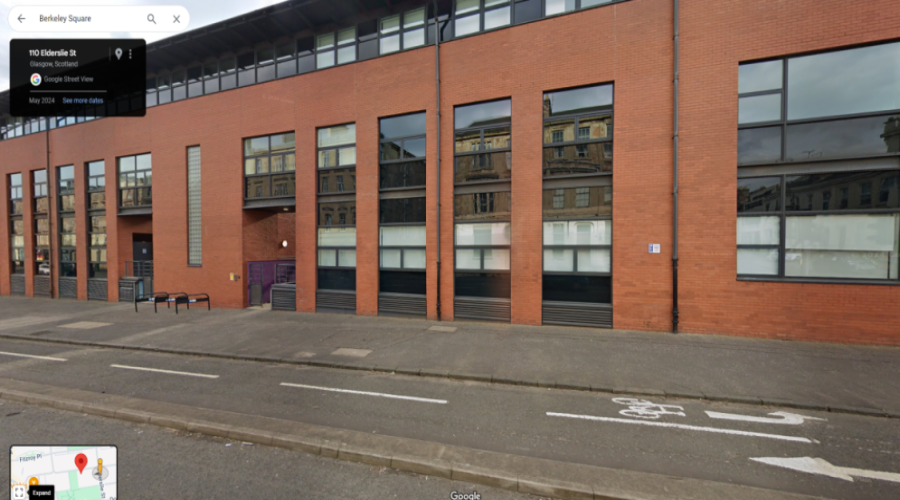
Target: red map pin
(80, 462)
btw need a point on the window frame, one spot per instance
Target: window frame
(783, 214)
(270, 174)
(482, 151)
(95, 212)
(481, 248)
(135, 188)
(61, 192)
(784, 122)
(17, 267)
(559, 146)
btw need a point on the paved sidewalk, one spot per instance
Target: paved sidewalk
(848, 378)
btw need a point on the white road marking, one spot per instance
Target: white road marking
(824, 468)
(682, 426)
(364, 393)
(32, 356)
(784, 418)
(170, 372)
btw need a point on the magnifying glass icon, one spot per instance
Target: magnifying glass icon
(151, 18)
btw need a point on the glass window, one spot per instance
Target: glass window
(843, 138)
(475, 115)
(814, 192)
(759, 145)
(845, 246)
(398, 210)
(558, 6)
(482, 206)
(760, 194)
(760, 108)
(269, 163)
(860, 80)
(757, 77)
(483, 234)
(340, 134)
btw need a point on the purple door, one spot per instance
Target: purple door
(261, 277)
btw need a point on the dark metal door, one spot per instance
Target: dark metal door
(255, 284)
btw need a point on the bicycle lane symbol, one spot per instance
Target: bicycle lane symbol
(641, 408)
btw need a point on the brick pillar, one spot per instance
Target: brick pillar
(28, 221)
(5, 248)
(367, 217)
(306, 235)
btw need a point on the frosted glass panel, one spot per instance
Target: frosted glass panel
(403, 236)
(593, 261)
(594, 232)
(483, 234)
(496, 259)
(414, 259)
(337, 237)
(327, 258)
(559, 260)
(758, 230)
(468, 259)
(757, 261)
(347, 258)
(846, 246)
(390, 258)
(347, 156)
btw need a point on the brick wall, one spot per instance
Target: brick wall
(628, 44)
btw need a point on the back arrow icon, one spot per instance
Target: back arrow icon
(20, 18)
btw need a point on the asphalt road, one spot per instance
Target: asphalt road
(159, 463)
(680, 439)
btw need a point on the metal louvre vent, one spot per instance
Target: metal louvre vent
(401, 303)
(284, 297)
(126, 291)
(97, 290)
(17, 284)
(195, 233)
(336, 301)
(68, 288)
(42, 286)
(481, 308)
(577, 314)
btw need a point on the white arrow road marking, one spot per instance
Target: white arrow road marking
(824, 468)
(363, 393)
(784, 418)
(169, 372)
(32, 356)
(683, 426)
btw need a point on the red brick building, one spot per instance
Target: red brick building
(300, 146)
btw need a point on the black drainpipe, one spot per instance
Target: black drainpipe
(675, 183)
(437, 78)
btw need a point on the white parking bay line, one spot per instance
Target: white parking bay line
(364, 393)
(32, 356)
(683, 426)
(170, 372)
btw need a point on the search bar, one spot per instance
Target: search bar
(89, 19)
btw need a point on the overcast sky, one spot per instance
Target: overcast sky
(202, 12)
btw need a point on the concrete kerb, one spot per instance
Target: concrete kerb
(416, 456)
(482, 378)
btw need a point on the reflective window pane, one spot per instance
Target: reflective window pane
(581, 159)
(401, 210)
(596, 260)
(325, 59)
(575, 288)
(406, 174)
(256, 145)
(757, 77)
(843, 191)
(414, 259)
(389, 44)
(346, 258)
(346, 55)
(333, 136)
(467, 25)
(590, 3)
(468, 258)
(494, 166)
(759, 194)
(476, 115)
(496, 18)
(401, 282)
(849, 81)
(414, 148)
(846, 246)
(843, 138)
(759, 144)
(346, 36)
(496, 259)
(337, 214)
(482, 206)
(464, 6)
(582, 232)
(390, 24)
(559, 6)
(759, 230)
(402, 126)
(414, 38)
(414, 18)
(391, 258)
(760, 108)
(583, 100)
(325, 41)
(482, 284)
(328, 258)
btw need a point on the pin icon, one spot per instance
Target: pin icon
(33, 481)
(118, 53)
(80, 462)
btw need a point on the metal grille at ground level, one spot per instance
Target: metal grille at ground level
(97, 289)
(284, 297)
(68, 288)
(17, 284)
(481, 308)
(42, 286)
(336, 301)
(577, 314)
(405, 304)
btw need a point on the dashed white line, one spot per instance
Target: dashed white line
(683, 426)
(170, 372)
(364, 393)
(32, 356)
